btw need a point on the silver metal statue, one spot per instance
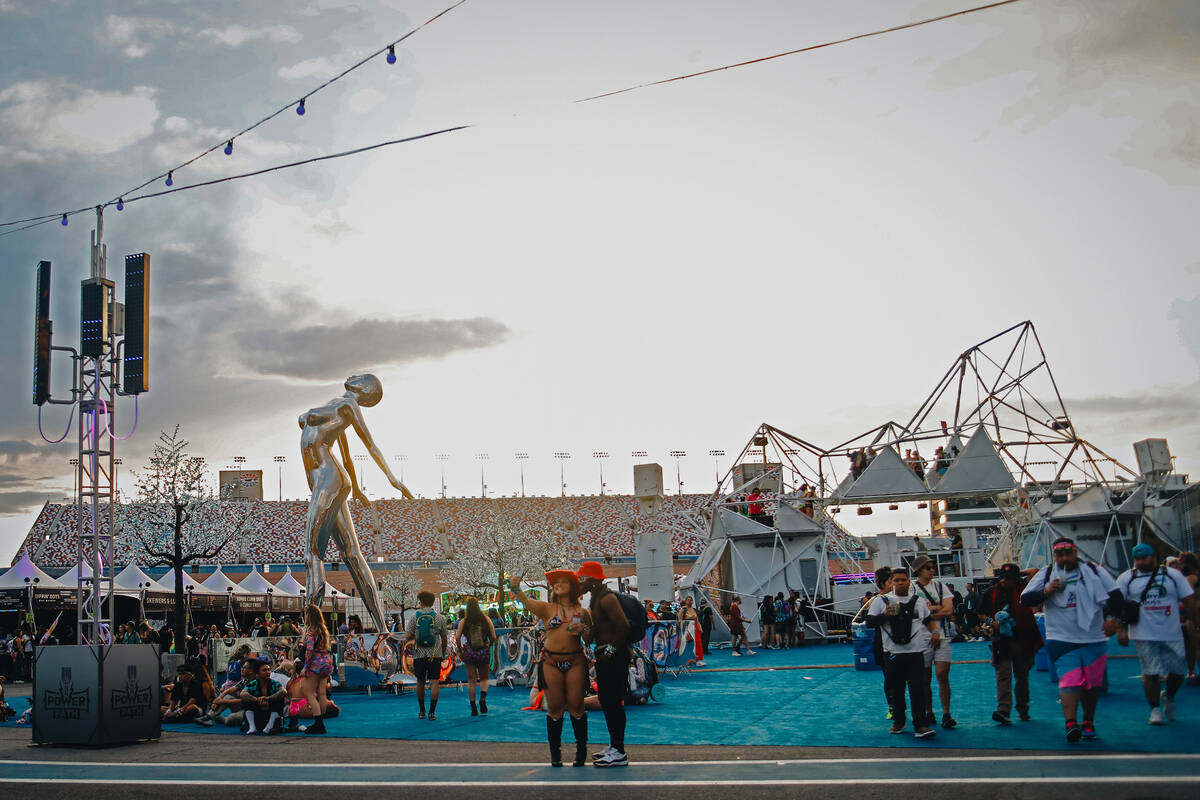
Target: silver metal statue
(333, 482)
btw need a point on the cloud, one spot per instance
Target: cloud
(12, 449)
(335, 351)
(133, 34)
(238, 35)
(58, 117)
(21, 502)
(320, 67)
(1187, 314)
(180, 138)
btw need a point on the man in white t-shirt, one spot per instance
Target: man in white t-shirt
(1081, 602)
(940, 600)
(903, 619)
(1156, 634)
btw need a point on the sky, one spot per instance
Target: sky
(808, 241)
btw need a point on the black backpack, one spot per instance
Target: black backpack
(635, 612)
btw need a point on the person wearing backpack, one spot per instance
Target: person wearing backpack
(941, 608)
(1081, 603)
(1153, 594)
(427, 630)
(475, 637)
(1015, 642)
(612, 633)
(907, 632)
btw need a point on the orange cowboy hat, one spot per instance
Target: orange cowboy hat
(555, 575)
(591, 569)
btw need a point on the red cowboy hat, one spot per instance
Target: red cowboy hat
(591, 569)
(555, 575)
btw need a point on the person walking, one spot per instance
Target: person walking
(1081, 603)
(941, 609)
(610, 630)
(563, 666)
(1152, 594)
(475, 636)
(1015, 641)
(705, 614)
(766, 622)
(737, 627)
(883, 585)
(318, 665)
(908, 631)
(428, 631)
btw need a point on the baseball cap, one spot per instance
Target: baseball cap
(1142, 550)
(1008, 570)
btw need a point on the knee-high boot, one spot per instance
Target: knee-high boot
(580, 727)
(554, 737)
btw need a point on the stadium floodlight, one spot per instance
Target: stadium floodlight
(442, 458)
(639, 454)
(600, 455)
(717, 454)
(521, 459)
(280, 460)
(678, 454)
(402, 457)
(361, 459)
(482, 457)
(562, 457)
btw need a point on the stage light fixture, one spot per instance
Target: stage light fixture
(391, 56)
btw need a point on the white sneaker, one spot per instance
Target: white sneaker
(1156, 716)
(613, 759)
(1168, 706)
(701, 664)
(749, 652)
(603, 753)
(736, 653)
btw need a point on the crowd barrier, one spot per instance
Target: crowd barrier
(370, 660)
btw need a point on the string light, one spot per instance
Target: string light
(391, 58)
(171, 178)
(120, 204)
(229, 147)
(299, 110)
(64, 220)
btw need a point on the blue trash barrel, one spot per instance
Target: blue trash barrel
(864, 647)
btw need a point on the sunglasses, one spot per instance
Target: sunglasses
(1065, 551)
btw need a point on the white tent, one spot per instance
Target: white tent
(221, 583)
(132, 576)
(255, 583)
(168, 581)
(887, 476)
(978, 469)
(71, 576)
(25, 573)
(288, 585)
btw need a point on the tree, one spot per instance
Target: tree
(175, 516)
(500, 548)
(400, 588)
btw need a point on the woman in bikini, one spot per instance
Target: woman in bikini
(563, 664)
(318, 665)
(475, 637)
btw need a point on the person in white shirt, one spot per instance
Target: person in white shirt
(1081, 603)
(1153, 595)
(940, 600)
(908, 631)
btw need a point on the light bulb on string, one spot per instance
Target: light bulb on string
(64, 220)
(229, 147)
(120, 204)
(300, 108)
(171, 178)
(391, 56)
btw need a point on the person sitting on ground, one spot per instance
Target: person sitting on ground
(230, 696)
(262, 700)
(187, 697)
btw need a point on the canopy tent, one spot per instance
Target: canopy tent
(26, 573)
(220, 582)
(71, 576)
(255, 583)
(289, 585)
(189, 583)
(133, 578)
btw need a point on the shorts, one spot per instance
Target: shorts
(296, 705)
(427, 669)
(1161, 658)
(1080, 666)
(942, 653)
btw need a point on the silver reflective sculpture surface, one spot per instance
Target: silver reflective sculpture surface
(333, 482)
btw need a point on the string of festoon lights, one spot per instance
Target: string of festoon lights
(227, 145)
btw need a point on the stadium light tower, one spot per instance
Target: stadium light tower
(562, 457)
(74, 462)
(716, 455)
(482, 457)
(678, 454)
(521, 459)
(639, 454)
(280, 460)
(600, 455)
(402, 457)
(239, 462)
(442, 458)
(362, 483)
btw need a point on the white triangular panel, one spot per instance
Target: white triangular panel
(288, 585)
(736, 524)
(1092, 502)
(789, 519)
(978, 469)
(843, 487)
(1135, 504)
(255, 583)
(71, 576)
(887, 476)
(132, 575)
(220, 582)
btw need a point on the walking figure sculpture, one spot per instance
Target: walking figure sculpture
(332, 483)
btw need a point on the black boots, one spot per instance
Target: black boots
(483, 702)
(474, 709)
(317, 726)
(580, 727)
(554, 737)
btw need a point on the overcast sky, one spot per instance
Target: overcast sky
(808, 241)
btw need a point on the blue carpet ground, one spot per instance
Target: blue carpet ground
(765, 700)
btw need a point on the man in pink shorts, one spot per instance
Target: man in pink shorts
(1081, 603)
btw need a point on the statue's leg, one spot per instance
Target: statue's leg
(322, 518)
(347, 542)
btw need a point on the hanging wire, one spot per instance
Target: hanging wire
(70, 417)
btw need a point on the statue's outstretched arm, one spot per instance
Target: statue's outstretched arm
(360, 426)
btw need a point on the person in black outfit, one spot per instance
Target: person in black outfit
(610, 629)
(262, 700)
(705, 613)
